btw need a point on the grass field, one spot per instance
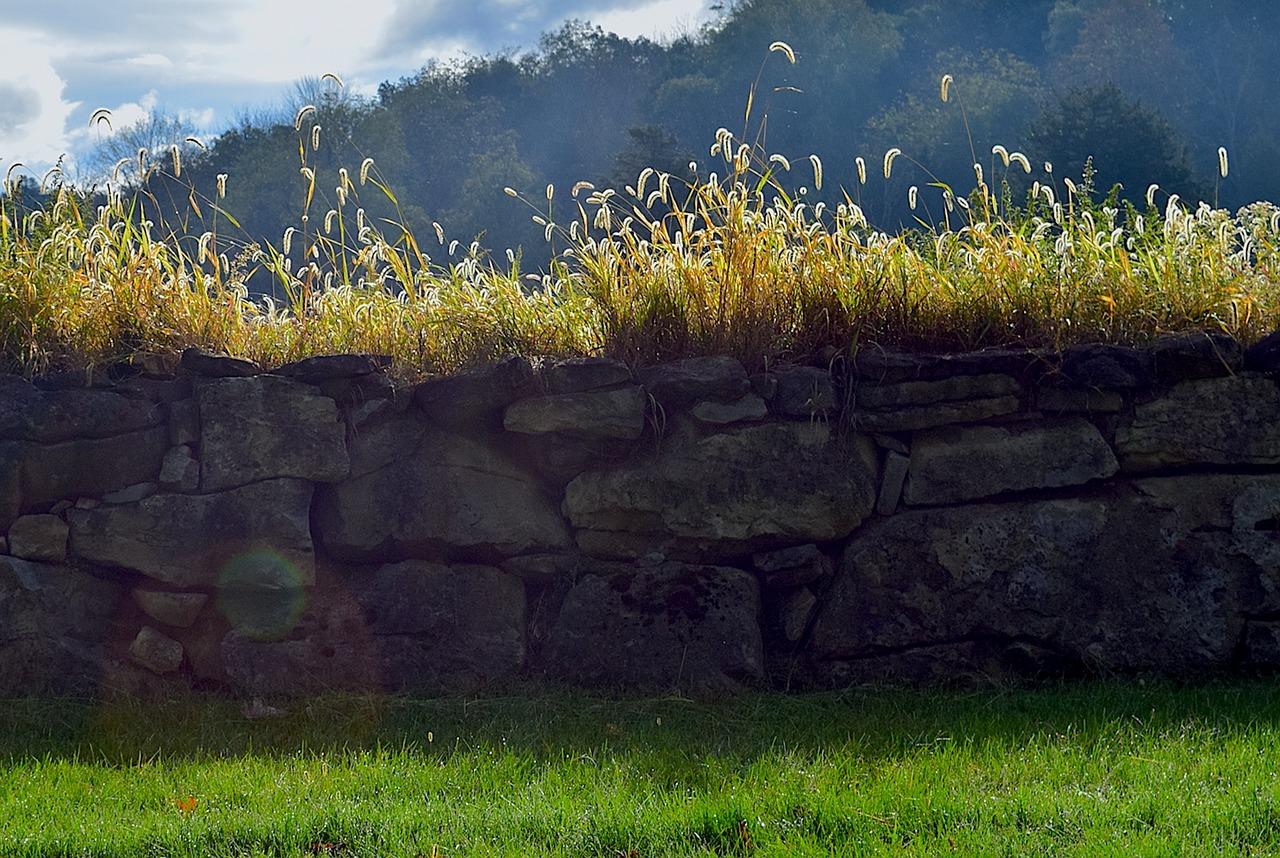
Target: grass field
(1097, 769)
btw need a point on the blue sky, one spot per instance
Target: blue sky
(207, 61)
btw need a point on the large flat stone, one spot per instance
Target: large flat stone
(591, 414)
(667, 627)
(267, 427)
(1214, 421)
(728, 494)
(192, 540)
(1118, 580)
(958, 464)
(91, 466)
(450, 495)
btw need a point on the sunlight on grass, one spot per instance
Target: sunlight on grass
(732, 263)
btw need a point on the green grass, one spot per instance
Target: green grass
(1079, 770)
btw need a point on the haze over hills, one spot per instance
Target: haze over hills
(1150, 89)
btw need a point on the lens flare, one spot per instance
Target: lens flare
(261, 594)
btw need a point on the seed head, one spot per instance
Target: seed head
(1222, 161)
(1151, 194)
(1002, 152)
(1020, 159)
(222, 185)
(947, 80)
(365, 166)
(297, 120)
(817, 172)
(888, 160)
(786, 51)
(862, 170)
(913, 194)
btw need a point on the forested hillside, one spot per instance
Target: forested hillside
(1149, 88)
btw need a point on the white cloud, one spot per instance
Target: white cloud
(33, 110)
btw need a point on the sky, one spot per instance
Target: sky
(209, 62)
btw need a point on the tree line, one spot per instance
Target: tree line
(1147, 89)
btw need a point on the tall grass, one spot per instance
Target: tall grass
(734, 262)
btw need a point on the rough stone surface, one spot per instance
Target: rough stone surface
(39, 537)
(1059, 400)
(477, 397)
(262, 428)
(791, 611)
(958, 464)
(328, 367)
(1218, 421)
(592, 414)
(1086, 581)
(803, 393)
(63, 415)
(156, 651)
(179, 470)
(879, 397)
(1264, 355)
(213, 365)
(1201, 355)
(178, 610)
(896, 467)
(748, 409)
(728, 494)
(440, 627)
(791, 567)
(665, 627)
(90, 466)
(880, 366)
(931, 416)
(1107, 367)
(53, 620)
(133, 493)
(190, 540)
(451, 494)
(578, 375)
(682, 382)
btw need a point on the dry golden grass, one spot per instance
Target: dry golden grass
(729, 264)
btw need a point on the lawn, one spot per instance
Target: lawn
(1106, 768)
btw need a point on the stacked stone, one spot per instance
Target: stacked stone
(889, 517)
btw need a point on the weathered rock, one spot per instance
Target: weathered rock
(578, 375)
(728, 494)
(184, 423)
(451, 495)
(155, 651)
(190, 540)
(133, 493)
(748, 409)
(1198, 355)
(882, 397)
(1217, 421)
(885, 367)
(1059, 400)
(912, 418)
(213, 365)
(262, 428)
(896, 467)
(178, 610)
(803, 393)
(91, 466)
(42, 538)
(957, 464)
(791, 567)
(477, 397)
(12, 454)
(52, 622)
(1262, 645)
(592, 414)
(790, 612)
(1106, 367)
(439, 627)
(382, 440)
(328, 367)
(179, 470)
(83, 414)
(19, 400)
(682, 382)
(1264, 355)
(660, 628)
(1089, 579)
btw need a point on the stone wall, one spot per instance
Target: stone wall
(902, 518)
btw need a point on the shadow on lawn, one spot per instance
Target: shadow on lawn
(874, 722)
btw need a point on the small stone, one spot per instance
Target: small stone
(184, 422)
(213, 365)
(896, 466)
(328, 367)
(42, 538)
(131, 494)
(578, 375)
(173, 609)
(804, 392)
(1062, 400)
(179, 470)
(694, 379)
(795, 608)
(593, 414)
(748, 409)
(156, 651)
(791, 567)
